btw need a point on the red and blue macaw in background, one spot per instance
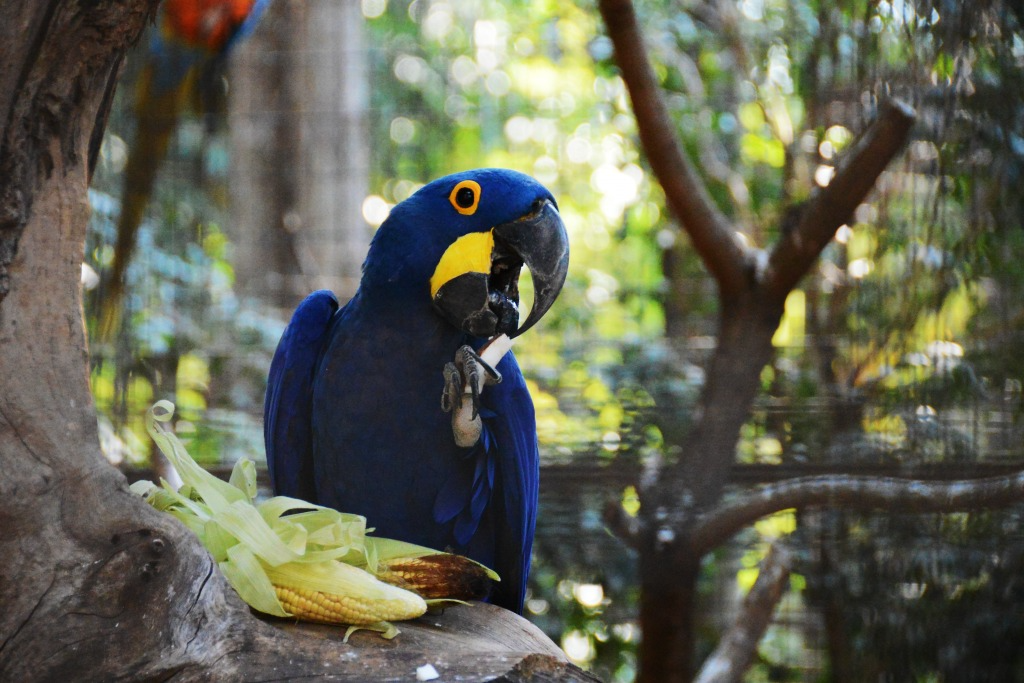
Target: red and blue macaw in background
(182, 65)
(355, 407)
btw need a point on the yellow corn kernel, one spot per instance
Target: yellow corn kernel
(330, 608)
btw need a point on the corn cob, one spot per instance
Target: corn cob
(438, 576)
(297, 565)
(338, 593)
(330, 608)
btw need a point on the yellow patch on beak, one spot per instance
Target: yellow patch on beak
(469, 254)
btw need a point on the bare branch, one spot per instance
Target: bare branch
(798, 250)
(735, 651)
(853, 493)
(688, 199)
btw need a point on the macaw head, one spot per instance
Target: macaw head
(462, 241)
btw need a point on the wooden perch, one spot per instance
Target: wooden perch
(712, 235)
(731, 659)
(477, 642)
(853, 493)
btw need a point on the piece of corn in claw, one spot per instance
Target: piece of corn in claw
(328, 608)
(438, 576)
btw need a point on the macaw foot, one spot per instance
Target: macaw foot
(464, 381)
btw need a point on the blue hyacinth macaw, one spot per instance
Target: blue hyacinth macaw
(355, 408)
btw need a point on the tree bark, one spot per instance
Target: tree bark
(744, 347)
(668, 596)
(95, 584)
(89, 574)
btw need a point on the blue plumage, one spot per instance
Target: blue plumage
(354, 415)
(288, 403)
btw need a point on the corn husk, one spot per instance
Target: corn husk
(287, 542)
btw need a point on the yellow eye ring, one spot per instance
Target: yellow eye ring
(465, 197)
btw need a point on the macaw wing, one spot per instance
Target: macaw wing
(514, 432)
(287, 408)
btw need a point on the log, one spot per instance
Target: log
(474, 642)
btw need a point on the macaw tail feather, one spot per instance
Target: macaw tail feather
(157, 116)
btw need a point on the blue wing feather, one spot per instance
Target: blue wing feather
(498, 530)
(287, 409)
(451, 499)
(514, 434)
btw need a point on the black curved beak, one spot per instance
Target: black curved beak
(487, 303)
(539, 241)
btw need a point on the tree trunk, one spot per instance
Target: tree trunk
(90, 576)
(95, 584)
(743, 349)
(669, 565)
(668, 595)
(298, 108)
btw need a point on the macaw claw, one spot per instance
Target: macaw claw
(466, 377)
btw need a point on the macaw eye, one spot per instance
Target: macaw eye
(465, 197)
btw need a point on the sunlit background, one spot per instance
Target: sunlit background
(901, 354)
